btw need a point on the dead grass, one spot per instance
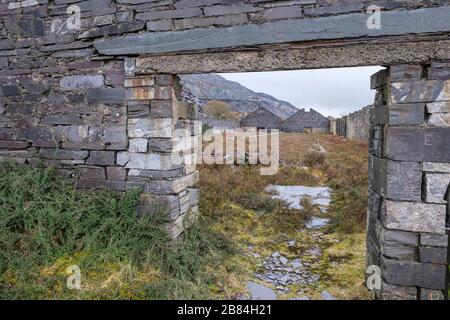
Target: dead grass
(235, 205)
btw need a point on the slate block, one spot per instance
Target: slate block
(118, 28)
(138, 109)
(405, 72)
(378, 80)
(439, 73)
(414, 217)
(106, 96)
(433, 255)
(400, 181)
(406, 114)
(436, 187)
(169, 14)
(59, 154)
(90, 172)
(434, 240)
(101, 158)
(61, 119)
(101, 184)
(427, 294)
(8, 144)
(420, 91)
(116, 173)
(81, 82)
(414, 274)
(394, 292)
(418, 144)
(9, 90)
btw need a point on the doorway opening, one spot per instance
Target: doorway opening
(300, 233)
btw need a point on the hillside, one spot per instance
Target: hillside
(208, 87)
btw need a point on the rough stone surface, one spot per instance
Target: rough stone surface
(427, 294)
(405, 273)
(436, 187)
(150, 128)
(81, 82)
(434, 240)
(396, 180)
(417, 217)
(433, 255)
(394, 292)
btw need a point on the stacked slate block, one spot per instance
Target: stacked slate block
(409, 177)
(153, 113)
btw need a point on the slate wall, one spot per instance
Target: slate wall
(353, 126)
(409, 175)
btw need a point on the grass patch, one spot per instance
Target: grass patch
(314, 159)
(47, 225)
(235, 204)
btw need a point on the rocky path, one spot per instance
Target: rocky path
(278, 275)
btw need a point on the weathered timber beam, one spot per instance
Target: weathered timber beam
(393, 23)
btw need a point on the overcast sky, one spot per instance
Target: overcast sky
(332, 92)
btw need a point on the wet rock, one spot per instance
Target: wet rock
(260, 292)
(292, 243)
(293, 195)
(316, 222)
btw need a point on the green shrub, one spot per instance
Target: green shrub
(46, 225)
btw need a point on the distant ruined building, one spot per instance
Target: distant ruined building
(311, 121)
(301, 121)
(263, 119)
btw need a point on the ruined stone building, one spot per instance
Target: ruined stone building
(263, 119)
(96, 95)
(301, 121)
(310, 121)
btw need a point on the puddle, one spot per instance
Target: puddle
(260, 292)
(320, 196)
(316, 223)
(327, 296)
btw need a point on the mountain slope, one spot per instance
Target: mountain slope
(208, 87)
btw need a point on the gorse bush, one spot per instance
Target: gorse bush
(46, 216)
(47, 225)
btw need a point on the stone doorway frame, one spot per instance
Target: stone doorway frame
(407, 250)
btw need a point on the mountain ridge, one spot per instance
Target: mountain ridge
(207, 87)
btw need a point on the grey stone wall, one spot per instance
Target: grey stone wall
(409, 178)
(353, 126)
